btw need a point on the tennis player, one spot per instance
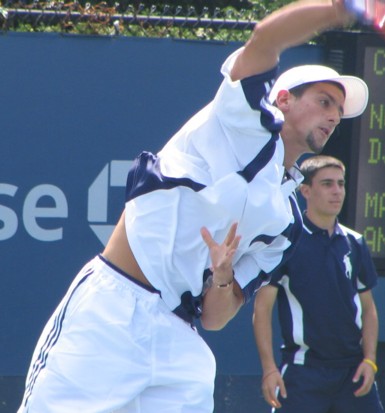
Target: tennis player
(204, 220)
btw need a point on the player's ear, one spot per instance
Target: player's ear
(282, 100)
(304, 188)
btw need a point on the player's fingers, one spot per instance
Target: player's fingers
(362, 391)
(282, 389)
(207, 238)
(270, 386)
(359, 372)
(235, 242)
(270, 397)
(273, 401)
(234, 246)
(366, 385)
(231, 234)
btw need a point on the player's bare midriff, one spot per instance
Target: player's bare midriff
(119, 253)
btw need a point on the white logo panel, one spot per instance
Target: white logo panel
(114, 174)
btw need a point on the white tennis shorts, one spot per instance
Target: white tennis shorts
(113, 346)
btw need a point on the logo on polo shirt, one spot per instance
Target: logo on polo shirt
(348, 266)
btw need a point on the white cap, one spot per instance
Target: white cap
(356, 90)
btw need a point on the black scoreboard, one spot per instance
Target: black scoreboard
(360, 142)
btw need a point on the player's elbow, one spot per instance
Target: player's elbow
(214, 321)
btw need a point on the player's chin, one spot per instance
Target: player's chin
(316, 149)
(335, 210)
(316, 143)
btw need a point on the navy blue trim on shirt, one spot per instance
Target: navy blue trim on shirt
(190, 307)
(250, 289)
(294, 231)
(260, 161)
(256, 89)
(266, 239)
(145, 176)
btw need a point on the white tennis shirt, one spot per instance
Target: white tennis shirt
(224, 165)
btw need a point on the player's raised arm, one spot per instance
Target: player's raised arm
(292, 25)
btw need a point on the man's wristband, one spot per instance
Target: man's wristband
(224, 285)
(372, 364)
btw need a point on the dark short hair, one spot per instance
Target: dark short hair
(312, 165)
(299, 90)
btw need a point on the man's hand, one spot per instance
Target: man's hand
(222, 254)
(366, 371)
(270, 382)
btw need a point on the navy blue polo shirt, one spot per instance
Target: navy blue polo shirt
(318, 299)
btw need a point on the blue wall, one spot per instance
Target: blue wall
(74, 111)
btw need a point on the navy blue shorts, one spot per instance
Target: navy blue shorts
(325, 390)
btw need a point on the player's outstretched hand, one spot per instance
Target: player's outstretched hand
(222, 254)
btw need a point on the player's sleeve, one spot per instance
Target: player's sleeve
(246, 118)
(248, 265)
